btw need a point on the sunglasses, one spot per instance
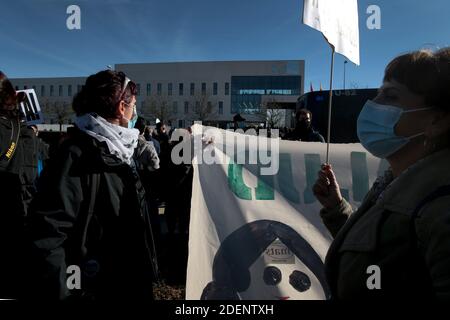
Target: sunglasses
(125, 84)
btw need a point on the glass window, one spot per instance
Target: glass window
(169, 89)
(138, 89)
(215, 88)
(192, 88)
(42, 91)
(203, 88)
(79, 88)
(149, 89)
(51, 91)
(227, 88)
(175, 107)
(180, 89)
(220, 107)
(197, 106)
(60, 90)
(69, 90)
(186, 107)
(159, 89)
(246, 91)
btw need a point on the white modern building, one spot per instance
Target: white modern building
(182, 92)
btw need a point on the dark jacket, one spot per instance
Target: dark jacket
(305, 135)
(17, 177)
(112, 245)
(395, 229)
(145, 155)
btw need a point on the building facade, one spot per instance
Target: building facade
(182, 92)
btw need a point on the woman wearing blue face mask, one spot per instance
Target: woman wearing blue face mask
(90, 211)
(397, 244)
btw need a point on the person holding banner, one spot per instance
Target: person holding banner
(397, 244)
(89, 227)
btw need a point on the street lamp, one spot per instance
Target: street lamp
(345, 63)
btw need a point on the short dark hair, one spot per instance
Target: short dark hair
(102, 94)
(303, 110)
(425, 73)
(160, 124)
(140, 125)
(8, 97)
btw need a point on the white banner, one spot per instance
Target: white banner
(338, 21)
(255, 236)
(31, 108)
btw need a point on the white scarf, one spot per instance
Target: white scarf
(121, 141)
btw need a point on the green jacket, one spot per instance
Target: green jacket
(412, 253)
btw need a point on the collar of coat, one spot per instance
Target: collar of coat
(405, 193)
(401, 196)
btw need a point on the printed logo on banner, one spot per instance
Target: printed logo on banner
(242, 274)
(278, 253)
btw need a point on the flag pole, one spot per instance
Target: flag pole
(330, 102)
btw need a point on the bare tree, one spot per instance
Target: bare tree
(203, 107)
(59, 111)
(62, 112)
(271, 114)
(274, 117)
(158, 107)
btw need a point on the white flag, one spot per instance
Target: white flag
(338, 21)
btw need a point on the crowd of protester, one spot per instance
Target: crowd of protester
(95, 202)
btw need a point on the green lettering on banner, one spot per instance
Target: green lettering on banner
(265, 185)
(360, 175)
(236, 182)
(286, 179)
(264, 189)
(312, 167)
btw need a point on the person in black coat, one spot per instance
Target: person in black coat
(90, 211)
(18, 172)
(304, 130)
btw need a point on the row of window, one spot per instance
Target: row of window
(186, 106)
(170, 89)
(52, 93)
(159, 88)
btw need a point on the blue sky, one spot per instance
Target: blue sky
(36, 42)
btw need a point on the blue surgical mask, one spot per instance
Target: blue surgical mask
(375, 126)
(132, 121)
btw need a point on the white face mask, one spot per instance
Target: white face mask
(376, 124)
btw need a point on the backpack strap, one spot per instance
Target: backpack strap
(6, 157)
